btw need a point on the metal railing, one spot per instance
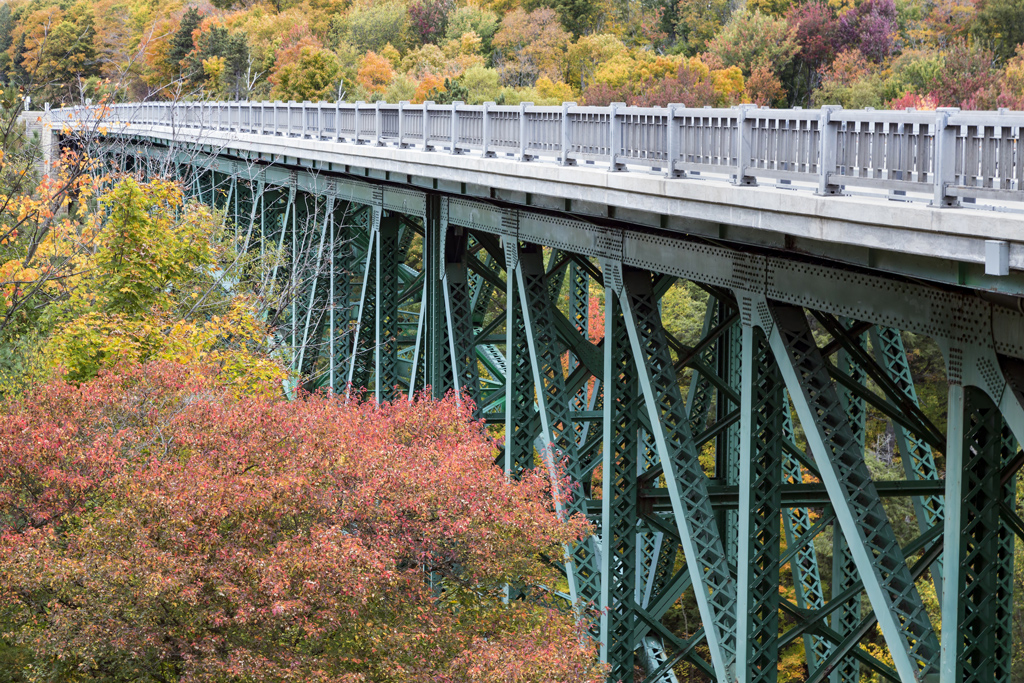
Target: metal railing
(947, 155)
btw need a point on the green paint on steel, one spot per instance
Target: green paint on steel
(760, 464)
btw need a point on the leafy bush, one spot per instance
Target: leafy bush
(159, 527)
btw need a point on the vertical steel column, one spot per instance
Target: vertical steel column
(361, 366)
(579, 314)
(1005, 567)
(386, 325)
(283, 227)
(522, 421)
(228, 205)
(312, 319)
(255, 215)
(438, 360)
(458, 303)
(619, 537)
(976, 604)
(698, 401)
(727, 445)
(876, 552)
(844, 570)
(762, 428)
(701, 538)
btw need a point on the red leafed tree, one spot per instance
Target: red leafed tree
(156, 526)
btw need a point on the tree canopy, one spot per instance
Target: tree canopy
(160, 526)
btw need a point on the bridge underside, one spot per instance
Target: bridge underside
(709, 460)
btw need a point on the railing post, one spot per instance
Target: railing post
(828, 138)
(672, 143)
(355, 126)
(566, 143)
(426, 127)
(455, 127)
(614, 137)
(944, 157)
(744, 135)
(486, 136)
(337, 121)
(377, 121)
(401, 124)
(523, 132)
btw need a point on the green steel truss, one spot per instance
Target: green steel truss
(390, 289)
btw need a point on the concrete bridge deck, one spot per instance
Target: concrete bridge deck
(872, 215)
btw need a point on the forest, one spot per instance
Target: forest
(167, 513)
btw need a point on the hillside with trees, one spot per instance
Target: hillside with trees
(139, 396)
(855, 53)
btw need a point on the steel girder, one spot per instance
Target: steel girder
(557, 385)
(978, 569)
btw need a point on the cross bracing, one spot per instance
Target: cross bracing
(708, 465)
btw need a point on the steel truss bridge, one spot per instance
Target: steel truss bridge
(458, 248)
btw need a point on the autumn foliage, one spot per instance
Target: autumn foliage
(157, 527)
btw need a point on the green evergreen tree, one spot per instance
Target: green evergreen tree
(181, 42)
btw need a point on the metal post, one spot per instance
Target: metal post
(621, 492)
(486, 152)
(566, 142)
(761, 433)
(615, 137)
(945, 158)
(427, 147)
(524, 131)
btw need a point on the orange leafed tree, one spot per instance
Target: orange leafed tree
(375, 72)
(161, 527)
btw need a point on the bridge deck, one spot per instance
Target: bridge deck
(877, 214)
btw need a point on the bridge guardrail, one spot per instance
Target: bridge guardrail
(949, 154)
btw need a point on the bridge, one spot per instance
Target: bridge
(459, 247)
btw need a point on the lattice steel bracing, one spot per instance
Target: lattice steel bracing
(437, 351)
(797, 524)
(699, 398)
(459, 298)
(361, 365)
(579, 314)
(312, 295)
(687, 484)
(863, 520)
(979, 561)
(620, 557)
(844, 570)
(847, 615)
(760, 463)
(915, 452)
(553, 403)
(340, 304)
(727, 452)
(387, 291)
(522, 421)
